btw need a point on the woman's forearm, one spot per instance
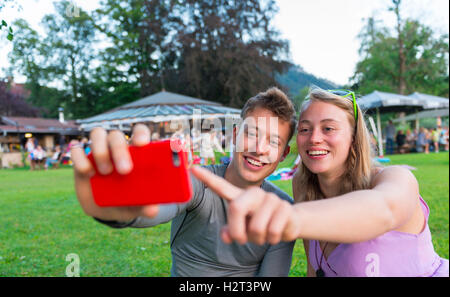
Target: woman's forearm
(353, 217)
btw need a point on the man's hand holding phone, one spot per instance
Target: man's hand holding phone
(110, 151)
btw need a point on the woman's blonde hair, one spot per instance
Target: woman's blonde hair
(359, 162)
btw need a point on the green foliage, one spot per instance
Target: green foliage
(25, 56)
(141, 39)
(10, 35)
(229, 50)
(68, 50)
(3, 23)
(63, 55)
(425, 67)
(50, 99)
(100, 96)
(213, 49)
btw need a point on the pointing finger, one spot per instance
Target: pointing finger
(257, 228)
(241, 210)
(216, 183)
(225, 234)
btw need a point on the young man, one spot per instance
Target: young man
(197, 249)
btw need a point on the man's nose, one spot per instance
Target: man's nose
(262, 146)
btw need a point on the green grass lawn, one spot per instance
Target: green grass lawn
(41, 223)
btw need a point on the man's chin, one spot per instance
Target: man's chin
(250, 175)
(255, 177)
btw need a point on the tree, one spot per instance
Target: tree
(229, 50)
(401, 48)
(219, 50)
(141, 35)
(414, 60)
(62, 57)
(27, 59)
(69, 53)
(3, 23)
(12, 104)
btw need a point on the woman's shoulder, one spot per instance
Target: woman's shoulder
(401, 175)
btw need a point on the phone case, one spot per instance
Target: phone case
(159, 175)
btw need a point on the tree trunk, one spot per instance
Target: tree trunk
(401, 52)
(74, 79)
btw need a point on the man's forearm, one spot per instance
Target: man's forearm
(166, 213)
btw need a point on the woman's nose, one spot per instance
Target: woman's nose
(316, 136)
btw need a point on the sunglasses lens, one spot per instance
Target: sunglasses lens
(346, 93)
(340, 93)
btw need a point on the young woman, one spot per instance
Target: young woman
(355, 219)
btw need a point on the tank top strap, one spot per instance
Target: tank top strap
(425, 209)
(314, 253)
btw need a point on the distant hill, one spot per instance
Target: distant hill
(296, 79)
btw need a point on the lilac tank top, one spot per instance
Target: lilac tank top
(391, 254)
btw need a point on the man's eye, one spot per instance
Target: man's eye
(329, 129)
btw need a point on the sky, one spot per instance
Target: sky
(322, 33)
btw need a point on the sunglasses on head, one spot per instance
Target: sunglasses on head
(347, 94)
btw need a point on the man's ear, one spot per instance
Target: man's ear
(234, 134)
(285, 153)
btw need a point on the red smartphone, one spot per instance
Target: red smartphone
(159, 175)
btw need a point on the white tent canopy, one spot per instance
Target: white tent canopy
(389, 102)
(157, 108)
(424, 115)
(430, 100)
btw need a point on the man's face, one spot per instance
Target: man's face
(261, 143)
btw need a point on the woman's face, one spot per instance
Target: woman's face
(324, 138)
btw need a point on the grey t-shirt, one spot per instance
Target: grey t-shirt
(196, 245)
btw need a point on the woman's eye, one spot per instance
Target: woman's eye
(328, 129)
